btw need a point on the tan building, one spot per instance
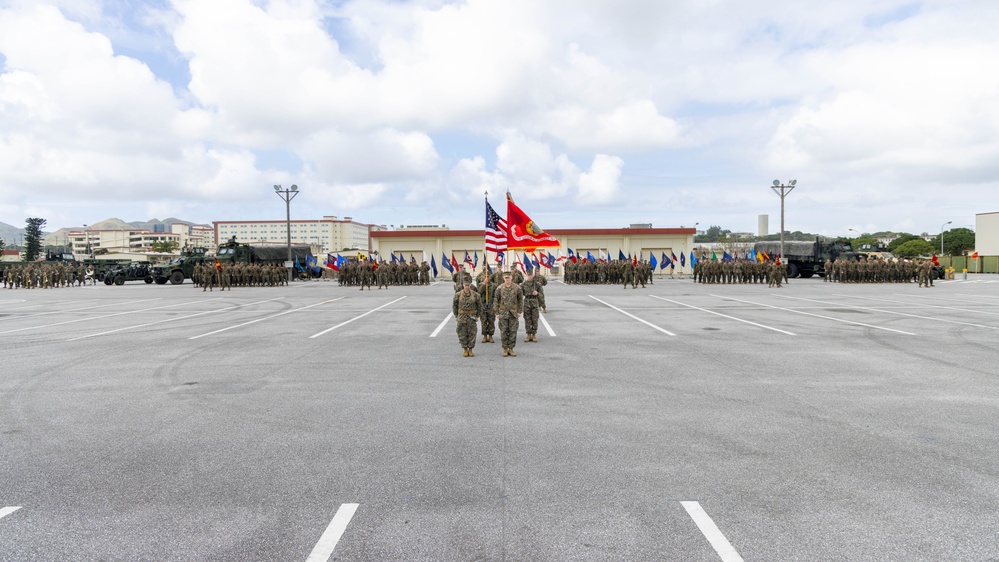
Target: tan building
(326, 235)
(86, 241)
(597, 241)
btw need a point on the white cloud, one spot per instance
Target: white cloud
(600, 185)
(384, 155)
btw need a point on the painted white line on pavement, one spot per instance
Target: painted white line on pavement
(898, 313)
(5, 511)
(324, 548)
(547, 327)
(449, 316)
(723, 315)
(718, 541)
(34, 314)
(264, 318)
(355, 318)
(171, 319)
(99, 317)
(650, 324)
(816, 315)
(911, 304)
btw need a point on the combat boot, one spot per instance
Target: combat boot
(534, 337)
(464, 352)
(528, 338)
(471, 353)
(512, 353)
(485, 339)
(506, 351)
(491, 340)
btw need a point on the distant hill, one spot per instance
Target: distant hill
(10, 234)
(111, 224)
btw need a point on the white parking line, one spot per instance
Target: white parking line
(449, 316)
(5, 511)
(61, 311)
(910, 304)
(898, 313)
(355, 318)
(171, 319)
(711, 532)
(324, 548)
(667, 332)
(722, 315)
(547, 327)
(816, 315)
(97, 317)
(265, 318)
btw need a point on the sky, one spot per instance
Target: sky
(591, 113)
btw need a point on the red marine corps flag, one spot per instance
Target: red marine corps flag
(522, 232)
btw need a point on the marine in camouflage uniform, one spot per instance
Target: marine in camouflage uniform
(488, 316)
(532, 290)
(466, 307)
(509, 302)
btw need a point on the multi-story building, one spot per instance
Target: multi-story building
(328, 234)
(88, 240)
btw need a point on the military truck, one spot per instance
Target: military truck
(237, 252)
(180, 268)
(805, 259)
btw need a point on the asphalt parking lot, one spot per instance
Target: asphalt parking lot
(677, 422)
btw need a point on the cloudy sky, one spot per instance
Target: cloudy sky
(593, 113)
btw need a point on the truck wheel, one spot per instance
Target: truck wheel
(107, 280)
(161, 280)
(149, 279)
(177, 277)
(119, 280)
(792, 271)
(100, 276)
(806, 274)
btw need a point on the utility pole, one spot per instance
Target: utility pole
(288, 195)
(782, 190)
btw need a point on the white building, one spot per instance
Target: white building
(88, 240)
(325, 235)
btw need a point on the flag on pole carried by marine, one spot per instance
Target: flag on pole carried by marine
(522, 232)
(446, 263)
(495, 230)
(433, 266)
(652, 261)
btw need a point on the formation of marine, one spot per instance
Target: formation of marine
(614, 272)
(879, 270)
(44, 275)
(365, 273)
(740, 272)
(226, 276)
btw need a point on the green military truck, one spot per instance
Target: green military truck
(180, 268)
(237, 252)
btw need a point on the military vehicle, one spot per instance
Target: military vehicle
(236, 252)
(178, 269)
(135, 271)
(805, 259)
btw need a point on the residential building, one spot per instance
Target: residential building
(325, 235)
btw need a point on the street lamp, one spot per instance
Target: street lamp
(941, 235)
(287, 195)
(782, 190)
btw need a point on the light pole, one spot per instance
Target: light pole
(941, 235)
(782, 190)
(288, 195)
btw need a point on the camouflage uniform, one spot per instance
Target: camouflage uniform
(509, 303)
(466, 307)
(532, 290)
(488, 317)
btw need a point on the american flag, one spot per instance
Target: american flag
(495, 230)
